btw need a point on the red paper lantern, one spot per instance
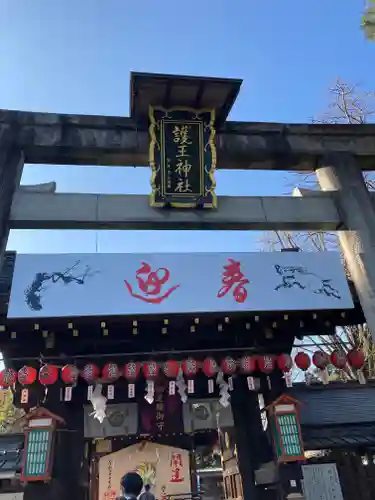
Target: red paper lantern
(151, 370)
(284, 362)
(90, 372)
(69, 374)
(356, 358)
(8, 377)
(266, 363)
(190, 367)
(302, 361)
(338, 359)
(48, 374)
(131, 370)
(209, 367)
(171, 368)
(320, 359)
(228, 365)
(111, 372)
(27, 375)
(248, 364)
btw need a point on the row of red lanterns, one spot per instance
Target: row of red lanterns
(49, 374)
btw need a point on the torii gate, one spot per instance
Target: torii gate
(337, 153)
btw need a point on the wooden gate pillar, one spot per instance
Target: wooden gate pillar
(340, 173)
(253, 448)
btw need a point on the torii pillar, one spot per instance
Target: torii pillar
(11, 166)
(341, 174)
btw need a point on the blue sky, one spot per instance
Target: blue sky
(75, 57)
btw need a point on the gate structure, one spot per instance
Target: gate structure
(178, 126)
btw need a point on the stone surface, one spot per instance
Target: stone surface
(341, 174)
(108, 140)
(92, 211)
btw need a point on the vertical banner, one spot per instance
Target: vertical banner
(163, 416)
(182, 156)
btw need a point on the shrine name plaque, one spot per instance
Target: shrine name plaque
(182, 156)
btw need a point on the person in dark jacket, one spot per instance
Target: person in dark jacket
(131, 486)
(147, 495)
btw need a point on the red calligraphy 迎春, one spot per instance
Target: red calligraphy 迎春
(176, 466)
(233, 278)
(150, 284)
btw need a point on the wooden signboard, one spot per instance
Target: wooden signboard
(38, 458)
(182, 156)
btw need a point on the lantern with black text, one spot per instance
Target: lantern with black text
(190, 368)
(48, 374)
(111, 372)
(27, 375)
(284, 362)
(69, 374)
(8, 377)
(302, 361)
(90, 373)
(321, 361)
(228, 365)
(266, 363)
(210, 369)
(338, 359)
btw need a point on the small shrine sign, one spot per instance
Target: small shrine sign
(182, 156)
(286, 429)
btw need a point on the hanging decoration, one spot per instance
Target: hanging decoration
(321, 361)
(69, 374)
(248, 364)
(228, 365)
(151, 371)
(99, 403)
(131, 372)
(356, 360)
(27, 375)
(338, 359)
(284, 362)
(171, 369)
(90, 373)
(210, 369)
(111, 372)
(224, 395)
(8, 377)
(302, 361)
(48, 374)
(190, 368)
(181, 386)
(266, 363)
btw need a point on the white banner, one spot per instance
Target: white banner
(70, 285)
